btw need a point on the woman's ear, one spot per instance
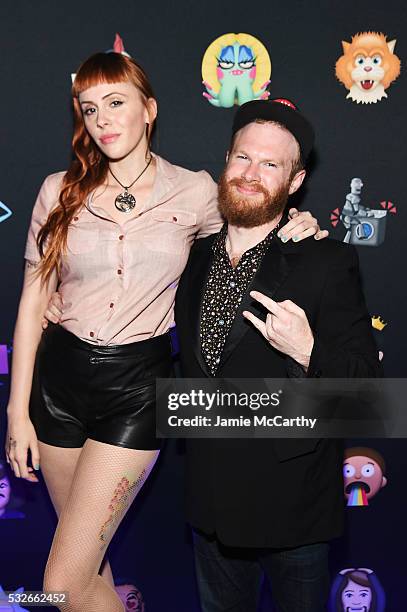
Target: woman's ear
(152, 110)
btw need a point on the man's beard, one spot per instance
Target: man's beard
(250, 211)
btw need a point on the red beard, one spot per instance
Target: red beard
(249, 212)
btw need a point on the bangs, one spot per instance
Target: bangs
(101, 68)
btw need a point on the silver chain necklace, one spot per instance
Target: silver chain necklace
(125, 202)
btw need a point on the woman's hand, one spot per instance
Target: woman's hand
(301, 225)
(53, 312)
(21, 437)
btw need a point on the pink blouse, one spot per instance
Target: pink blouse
(118, 281)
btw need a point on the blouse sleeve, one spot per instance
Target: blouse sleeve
(46, 200)
(212, 220)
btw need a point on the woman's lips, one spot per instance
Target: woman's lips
(108, 138)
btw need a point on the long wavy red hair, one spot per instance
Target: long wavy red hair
(89, 166)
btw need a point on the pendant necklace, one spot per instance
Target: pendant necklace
(125, 202)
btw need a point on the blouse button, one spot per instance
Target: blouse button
(111, 304)
(91, 334)
(75, 218)
(119, 271)
(175, 219)
(121, 237)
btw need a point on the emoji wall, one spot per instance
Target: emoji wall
(343, 64)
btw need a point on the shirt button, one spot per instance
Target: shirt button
(221, 322)
(121, 237)
(232, 284)
(119, 271)
(91, 334)
(111, 305)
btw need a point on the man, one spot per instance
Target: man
(251, 306)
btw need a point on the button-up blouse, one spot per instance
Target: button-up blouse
(118, 281)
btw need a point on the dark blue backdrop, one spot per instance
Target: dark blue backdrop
(41, 44)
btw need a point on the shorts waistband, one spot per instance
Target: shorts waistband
(152, 346)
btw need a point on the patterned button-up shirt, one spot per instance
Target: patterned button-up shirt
(224, 291)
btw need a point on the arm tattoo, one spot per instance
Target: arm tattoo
(31, 264)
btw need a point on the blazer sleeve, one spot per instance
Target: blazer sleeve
(344, 346)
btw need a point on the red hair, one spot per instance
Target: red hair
(89, 166)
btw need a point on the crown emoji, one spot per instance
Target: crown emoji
(378, 323)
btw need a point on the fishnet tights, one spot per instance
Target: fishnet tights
(106, 481)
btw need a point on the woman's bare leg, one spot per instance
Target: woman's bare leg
(106, 480)
(58, 467)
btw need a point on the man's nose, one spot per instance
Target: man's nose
(251, 173)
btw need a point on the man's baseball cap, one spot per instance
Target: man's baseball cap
(282, 111)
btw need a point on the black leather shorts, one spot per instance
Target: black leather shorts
(106, 393)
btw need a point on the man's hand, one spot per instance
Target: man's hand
(286, 328)
(301, 225)
(53, 312)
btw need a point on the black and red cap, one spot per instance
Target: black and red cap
(282, 111)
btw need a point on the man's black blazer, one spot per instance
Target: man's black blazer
(276, 492)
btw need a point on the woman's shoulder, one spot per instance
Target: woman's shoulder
(48, 194)
(182, 174)
(54, 181)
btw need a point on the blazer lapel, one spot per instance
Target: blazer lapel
(197, 281)
(272, 272)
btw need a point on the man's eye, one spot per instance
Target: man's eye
(270, 165)
(241, 156)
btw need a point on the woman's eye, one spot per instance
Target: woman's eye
(89, 111)
(115, 103)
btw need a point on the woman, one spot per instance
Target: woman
(113, 233)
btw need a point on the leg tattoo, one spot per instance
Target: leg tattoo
(119, 504)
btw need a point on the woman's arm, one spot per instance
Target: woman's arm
(21, 434)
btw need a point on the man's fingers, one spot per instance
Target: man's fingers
(268, 303)
(258, 324)
(292, 307)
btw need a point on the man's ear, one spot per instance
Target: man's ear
(227, 156)
(297, 181)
